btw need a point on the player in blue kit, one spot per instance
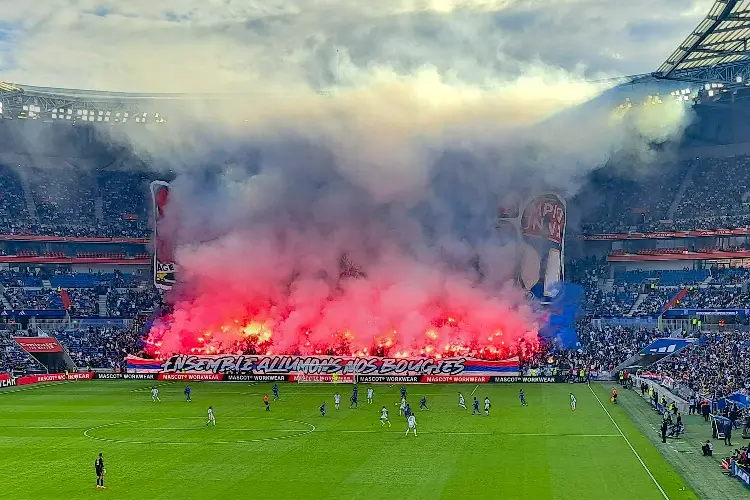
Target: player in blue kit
(187, 394)
(423, 403)
(323, 409)
(275, 390)
(354, 400)
(522, 397)
(407, 410)
(403, 392)
(476, 407)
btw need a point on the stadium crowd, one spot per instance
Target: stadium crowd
(716, 365)
(715, 196)
(54, 204)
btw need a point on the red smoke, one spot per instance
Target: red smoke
(293, 293)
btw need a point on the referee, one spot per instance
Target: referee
(99, 466)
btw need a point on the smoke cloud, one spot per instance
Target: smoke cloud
(359, 220)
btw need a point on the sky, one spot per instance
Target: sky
(240, 45)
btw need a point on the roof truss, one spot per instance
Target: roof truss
(718, 48)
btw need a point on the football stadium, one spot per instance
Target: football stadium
(368, 265)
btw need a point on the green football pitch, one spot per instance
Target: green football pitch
(50, 436)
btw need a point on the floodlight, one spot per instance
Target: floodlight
(101, 113)
(137, 119)
(70, 111)
(710, 93)
(54, 116)
(708, 86)
(738, 79)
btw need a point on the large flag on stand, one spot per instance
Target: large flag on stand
(562, 311)
(65, 298)
(48, 352)
(164, 266)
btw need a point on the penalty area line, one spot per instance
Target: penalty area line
(459, 433)
(663, 493)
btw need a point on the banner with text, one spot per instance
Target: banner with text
(742, 474)
(39, 344)
(324, 365)
(6, 380)
(125, 376)
(53, 377)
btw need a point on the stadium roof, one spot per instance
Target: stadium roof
(717, 50)
(50, 103)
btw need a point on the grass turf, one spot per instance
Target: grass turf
(50, 436)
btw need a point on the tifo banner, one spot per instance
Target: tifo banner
(539, 230)
(325, 365)
(164, 266)
(543, 232)
(39, 344)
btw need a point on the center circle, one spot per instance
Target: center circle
(192, 430)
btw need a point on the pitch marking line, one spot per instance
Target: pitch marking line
(459, 433)
(15, 388)
(475, 390)
(310, 429)
(663, 493)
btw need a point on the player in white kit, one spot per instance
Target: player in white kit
(337, 400)
(370, 393)
(461, 401)
(402, 407)
(155, 394)
(384, 416)
(487, 406)
(211, 418)
(412, 425)
(572, 402)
